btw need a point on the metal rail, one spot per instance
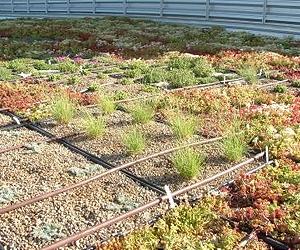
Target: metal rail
(151, 204)
(280, 18)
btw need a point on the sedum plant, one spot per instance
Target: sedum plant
(134, 141)
(280, 88)
(5, 74)
(202, 68)
(68, 67)
(188, 162)
(47, 231)
(154, 75)
(63, 109)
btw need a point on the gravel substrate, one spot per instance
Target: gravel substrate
(4, 119)
(41, 223)
(14, 137)
(46, 167)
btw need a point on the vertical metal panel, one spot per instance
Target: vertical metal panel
(256, 15)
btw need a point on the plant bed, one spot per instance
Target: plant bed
(195, 227)
(52, 69)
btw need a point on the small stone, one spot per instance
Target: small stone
(75, 171)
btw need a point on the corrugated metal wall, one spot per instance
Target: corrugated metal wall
(268, 16)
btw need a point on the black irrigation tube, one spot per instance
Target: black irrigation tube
(191, 201)
(11, 126)
(268, 239)
(96, 159)
(90, 156)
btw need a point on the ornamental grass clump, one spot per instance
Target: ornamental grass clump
(179, 78)
(142, 113)
(94, 126)
(249, 73)
(183, 127)
(63, 109)
(154, 75)
(134, 141)
(234, 143)
(188, 162)
(5, 74)
(106, 104)
(234, 147)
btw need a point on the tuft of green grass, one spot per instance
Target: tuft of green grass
(94, 126)
(142, 113)
(106, 104)
(188, 162)
(280, 89)
(296, 83)
(154, 75)
(249, 73)
(202, 68)
(134, 141)
(68, 67)
(181, 77)
(180, 62)
(63, 109)
(234, 147)
(183, 127)
(5, 74)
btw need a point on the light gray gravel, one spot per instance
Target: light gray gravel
(9, 138)
(4, 119)
(39, 224)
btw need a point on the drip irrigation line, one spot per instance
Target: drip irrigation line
(144, 207)
(96, 159)
(273, 83)
(191, 201)
(90, 156)
(11, 126)
(101, 175)
(5, 150)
